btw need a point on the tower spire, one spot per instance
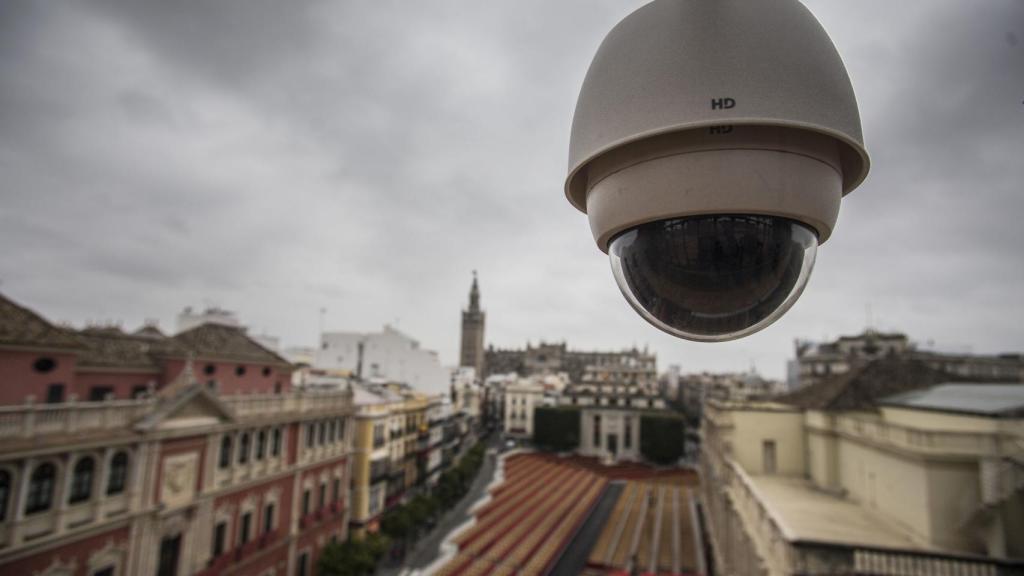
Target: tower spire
(472, 352)
(474, 295)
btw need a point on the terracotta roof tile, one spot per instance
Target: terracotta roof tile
(110, 347)
(20, 326)
(216, 341)
(865, 384)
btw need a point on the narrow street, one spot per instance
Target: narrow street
(426, 549)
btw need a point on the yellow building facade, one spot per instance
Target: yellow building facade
(841, 486)
(388, 452)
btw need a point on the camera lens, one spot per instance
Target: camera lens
(713, 278)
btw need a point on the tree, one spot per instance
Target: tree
(377, 544)
(396, 523)
(556, 429)
(349, 558)
(421, 509)
(662, 438)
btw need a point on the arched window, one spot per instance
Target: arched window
(225, 451)
(275, 446)
(243, 448)
(40, 488)
(261, 444)
(118, 473)
(5, 493)
(81, 480)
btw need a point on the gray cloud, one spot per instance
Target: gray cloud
(364, 157)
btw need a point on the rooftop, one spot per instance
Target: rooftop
(807, 513)
(20, 326)
(110, 347)
(226, 343)
(863, 386)
(981, 399)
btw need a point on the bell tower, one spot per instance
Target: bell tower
(473, 332)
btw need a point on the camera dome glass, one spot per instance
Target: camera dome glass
(713, 278)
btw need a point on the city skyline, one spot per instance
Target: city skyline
(276, 162)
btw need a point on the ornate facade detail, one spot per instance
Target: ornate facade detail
(59, 568)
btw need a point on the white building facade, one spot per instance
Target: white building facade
(388, 355)
(520, 399)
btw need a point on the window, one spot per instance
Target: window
(170, 549)
(331, 437)
(266, 371)
(323, 494)
(340, 429)
(105, 571)
(220, 535)
(303, 567)
(40, 488)
(243, 448)
(305, 502)
(44, 365)
(225, 451)
(378, 435)
(139, 391)
(268, 518)
(275, 446)
(310, 434)
(81, 480)
(768, 456)
(336, 489)
(323, 433)
(99, 393)
(118, 473)
(627, 441)
(243, 536)
(375, 500)
(55, 394)
(209, 369)
(597, 430)
(240, 371)
(261, 444)
(5, 493)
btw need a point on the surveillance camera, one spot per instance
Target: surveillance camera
(712, 143)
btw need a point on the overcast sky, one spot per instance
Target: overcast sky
(276, 158)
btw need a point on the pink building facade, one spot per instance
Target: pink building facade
(145, 454)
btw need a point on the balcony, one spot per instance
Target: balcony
(32, 420)
(839, 537)
(379, 470)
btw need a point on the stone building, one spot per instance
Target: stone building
(633, 367)
(885, 469)
(817, 361)
(472, 347)
(124, 454)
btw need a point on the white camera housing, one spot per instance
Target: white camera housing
(711, 126)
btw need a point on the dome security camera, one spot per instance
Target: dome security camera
(712, 143)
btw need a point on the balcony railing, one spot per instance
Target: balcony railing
(974, 444)
(29, 420)
(32, 419)
(302, 402)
